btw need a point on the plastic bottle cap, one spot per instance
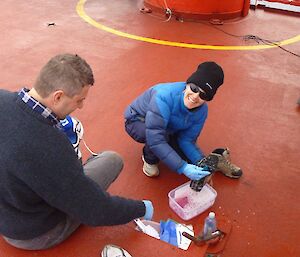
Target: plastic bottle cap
(211, 215)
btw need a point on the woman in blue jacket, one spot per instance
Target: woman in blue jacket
(168, 119)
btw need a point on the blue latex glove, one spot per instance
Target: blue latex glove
(194, 172)
(149, 210)
(167, 232)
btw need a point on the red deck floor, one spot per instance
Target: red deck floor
(254, 114)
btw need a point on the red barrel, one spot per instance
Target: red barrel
(202, 9)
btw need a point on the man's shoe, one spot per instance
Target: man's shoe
(150, 170)
(224, 164)
(73, 128)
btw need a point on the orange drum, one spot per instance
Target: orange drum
(201, 9)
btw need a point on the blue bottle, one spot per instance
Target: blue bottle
(210, 225)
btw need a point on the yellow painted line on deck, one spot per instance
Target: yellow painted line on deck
(88, 19)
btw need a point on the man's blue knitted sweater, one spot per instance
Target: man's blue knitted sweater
(42, 181)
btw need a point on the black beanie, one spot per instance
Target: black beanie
(208, 76)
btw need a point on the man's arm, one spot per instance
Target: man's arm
(58, 178)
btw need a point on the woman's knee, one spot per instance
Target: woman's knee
(136, 130)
